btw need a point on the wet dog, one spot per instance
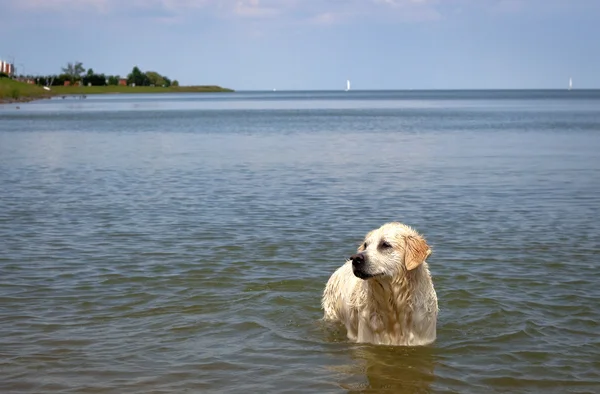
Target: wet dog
(384, 293)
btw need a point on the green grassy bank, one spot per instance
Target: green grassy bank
(17, 92)
(12, 91)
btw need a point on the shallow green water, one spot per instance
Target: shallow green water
(181, 243)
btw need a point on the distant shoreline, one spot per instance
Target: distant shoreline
(12, 91)
(4, 100)
(78, 90)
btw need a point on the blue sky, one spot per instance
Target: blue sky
(314, 44)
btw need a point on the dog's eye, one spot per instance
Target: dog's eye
(364, 245)
(385, 245)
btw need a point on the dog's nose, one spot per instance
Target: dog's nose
(357, 259)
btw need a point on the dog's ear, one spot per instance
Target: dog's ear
(416, 252)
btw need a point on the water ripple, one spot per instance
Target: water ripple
(186, 250)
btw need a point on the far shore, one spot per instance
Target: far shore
(8, 100)
(18, 92)
(78, 90)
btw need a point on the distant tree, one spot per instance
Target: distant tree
(138, 78)
(42, 80)
(155, 78)
(113, 80)
(4, 75)
(94, 79)
(61, 79)
(74, 71)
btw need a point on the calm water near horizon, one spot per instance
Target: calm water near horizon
(181, 243)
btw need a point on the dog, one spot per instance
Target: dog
(384, 293)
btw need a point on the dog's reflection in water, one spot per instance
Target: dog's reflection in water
(387, 369)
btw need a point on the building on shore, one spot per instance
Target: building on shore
(7, 68)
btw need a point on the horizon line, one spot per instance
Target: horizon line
(410, 89)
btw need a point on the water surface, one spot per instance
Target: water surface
(181, 243)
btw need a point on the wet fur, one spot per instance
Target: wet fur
(398, 305)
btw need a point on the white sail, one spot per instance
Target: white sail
(347, 85)
(570, 83)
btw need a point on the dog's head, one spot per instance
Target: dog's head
(391, 250)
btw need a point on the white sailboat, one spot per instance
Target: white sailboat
(347, 85)
(47, 87)
(570, 83)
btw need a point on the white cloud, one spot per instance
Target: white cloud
(254, 8)
(67, 5)
(325, 18)
(241, 8)
(174, 5)
(321, 12)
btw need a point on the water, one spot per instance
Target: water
(170, 244)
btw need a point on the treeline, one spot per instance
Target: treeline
(75, 73)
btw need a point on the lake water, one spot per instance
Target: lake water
(181, 243)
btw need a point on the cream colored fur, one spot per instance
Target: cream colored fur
(396, 303)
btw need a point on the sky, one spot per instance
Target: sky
(314, 44)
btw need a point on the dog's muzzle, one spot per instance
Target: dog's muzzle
(358, 266)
